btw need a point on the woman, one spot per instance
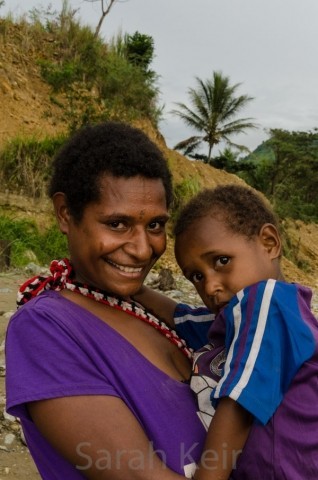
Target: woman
(100, 393)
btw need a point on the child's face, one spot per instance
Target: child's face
(220, 262)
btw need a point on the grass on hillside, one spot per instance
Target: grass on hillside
(27, 244)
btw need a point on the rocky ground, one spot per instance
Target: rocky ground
(15, 460)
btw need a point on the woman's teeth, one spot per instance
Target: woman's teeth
(126, 269)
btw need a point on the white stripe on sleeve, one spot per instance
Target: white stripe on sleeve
(237, 322)
(257, 341)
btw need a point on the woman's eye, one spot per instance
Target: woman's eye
(222, 261)
(157, 226)
(117, 225)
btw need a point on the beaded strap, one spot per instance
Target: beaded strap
(62, 277)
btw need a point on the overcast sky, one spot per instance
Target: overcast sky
(270, 46)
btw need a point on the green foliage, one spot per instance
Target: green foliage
(53, 245)
(125, 91)
(98, 81)
(286, 171)
(140, 51)
(77, 52)
(60, 77)
(81, 108)
(21, 235)
(26, 242)
(127, 87)
(215, 107)
(25, 163)
(90, 80)
(226, 160)
(183, 192)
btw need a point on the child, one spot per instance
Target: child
(261, 362)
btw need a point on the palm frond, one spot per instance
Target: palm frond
(213, 108)
(189, 145)
(241, 148)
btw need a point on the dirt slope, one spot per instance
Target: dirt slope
(25, 99)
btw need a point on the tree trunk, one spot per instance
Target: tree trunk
(104, 13)
(210, 151)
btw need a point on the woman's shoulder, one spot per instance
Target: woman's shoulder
(46, 312)
(49, 301)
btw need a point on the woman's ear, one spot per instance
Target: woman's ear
(271, 240)
(61, 211)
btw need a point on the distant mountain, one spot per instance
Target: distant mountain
(264, 150)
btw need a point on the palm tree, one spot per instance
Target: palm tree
(214, 108)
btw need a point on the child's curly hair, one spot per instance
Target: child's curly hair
(241, 208)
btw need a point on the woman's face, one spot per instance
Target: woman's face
(119, 238)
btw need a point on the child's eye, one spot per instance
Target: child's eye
(222, 261)
(196, 277)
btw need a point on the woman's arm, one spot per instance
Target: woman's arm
(100, 436)
(225, 440)
(157, 303)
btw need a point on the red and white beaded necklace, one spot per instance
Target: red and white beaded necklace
(62, 277)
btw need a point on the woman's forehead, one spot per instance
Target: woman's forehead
(133, 196)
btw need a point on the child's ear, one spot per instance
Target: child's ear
(271, 240)
(61, 211)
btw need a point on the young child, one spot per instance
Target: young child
(261, 362)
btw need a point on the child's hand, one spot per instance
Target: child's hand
(157, 303)
(228, 430)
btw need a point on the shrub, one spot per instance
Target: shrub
(183, 192)
(26, 163)
(27, 243)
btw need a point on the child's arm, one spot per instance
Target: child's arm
(225, 440)
(157, 303)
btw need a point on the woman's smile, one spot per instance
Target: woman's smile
(125, 269)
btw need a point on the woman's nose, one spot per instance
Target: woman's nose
(138, 245)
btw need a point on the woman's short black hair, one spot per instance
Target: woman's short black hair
(241, 208)
(111, 148)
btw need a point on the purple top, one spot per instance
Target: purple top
(56, 348)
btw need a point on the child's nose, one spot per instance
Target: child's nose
(213, 285)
